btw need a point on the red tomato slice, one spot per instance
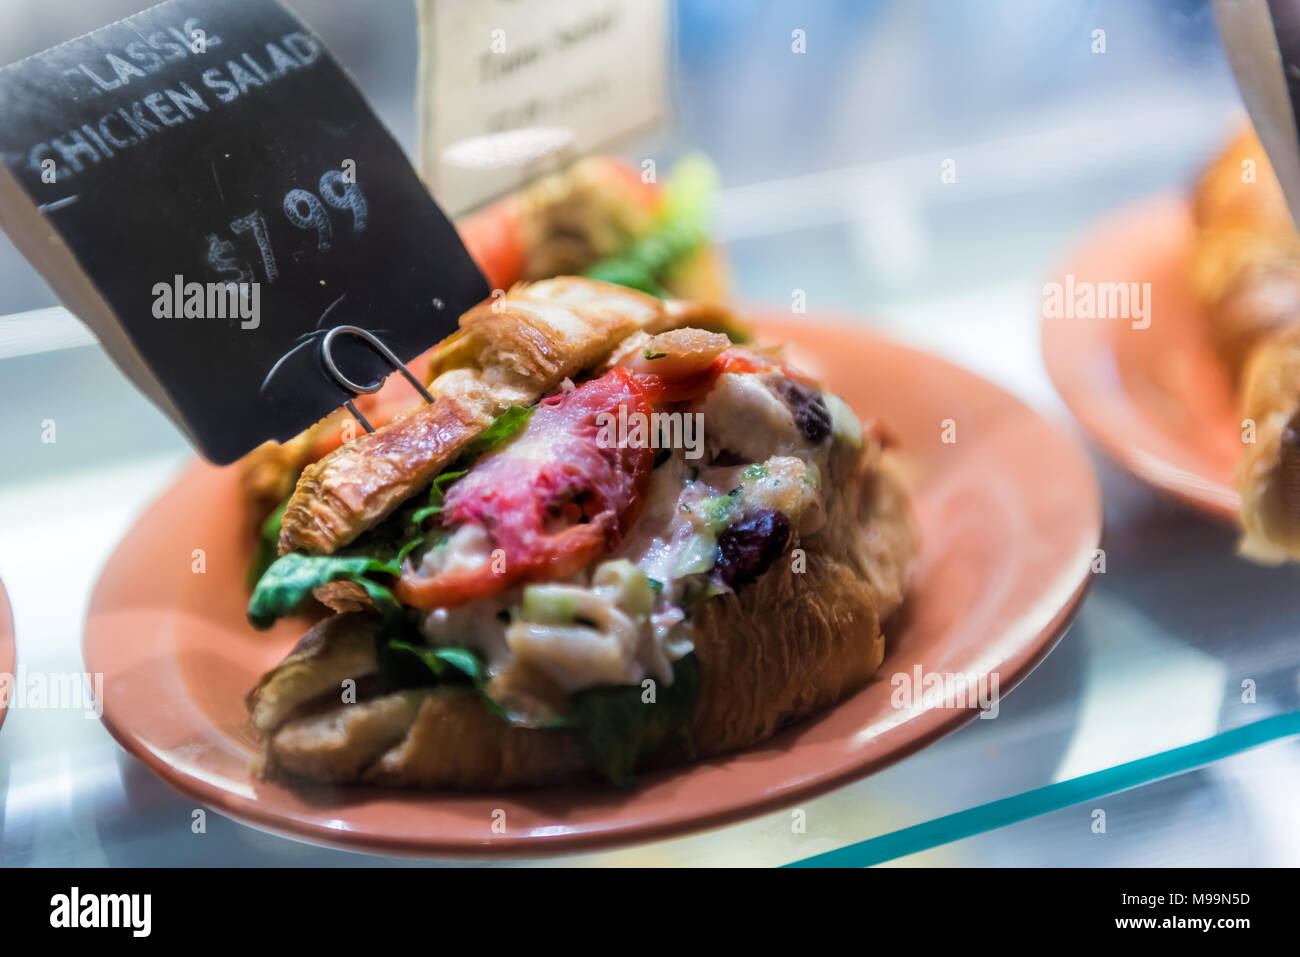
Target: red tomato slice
(629, 176)
(552, 500)
(742, 361)
(493, 238)
(660, 388)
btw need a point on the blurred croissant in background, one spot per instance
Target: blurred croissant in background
(1245, 270)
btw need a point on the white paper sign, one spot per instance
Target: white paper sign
(511, 89)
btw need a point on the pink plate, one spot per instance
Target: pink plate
(1157, 400)
(1010, 515)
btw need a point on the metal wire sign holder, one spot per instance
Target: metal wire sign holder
(355, 388)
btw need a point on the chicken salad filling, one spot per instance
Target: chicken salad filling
(702, 530)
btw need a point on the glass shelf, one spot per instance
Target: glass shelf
(1155, 660)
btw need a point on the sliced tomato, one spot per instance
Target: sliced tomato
(552, 500)
(643, 193)
(742, 361)
(494, 238)
(659, 388)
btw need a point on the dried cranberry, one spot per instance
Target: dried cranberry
(811, 416)
(747, 547)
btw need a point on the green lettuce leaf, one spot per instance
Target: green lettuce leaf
(405, 664)
(681, 227)
(439, 660)
(287, 586)
(618, 731)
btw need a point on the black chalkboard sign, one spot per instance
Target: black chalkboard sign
(203, 184)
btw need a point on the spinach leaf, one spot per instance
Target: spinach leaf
(617, 730)
(439, 660)
(503, 427)
(268, 545)
(446, 665)
(436, 494)
(288, 584)
(435, 666)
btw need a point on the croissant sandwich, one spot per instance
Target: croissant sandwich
(613, 540)
(596, 218)
(1246, 273)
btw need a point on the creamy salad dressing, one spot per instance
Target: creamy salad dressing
(743, 415)
(628, 617)
(466, 549)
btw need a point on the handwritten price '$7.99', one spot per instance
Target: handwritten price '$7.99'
(303, 209)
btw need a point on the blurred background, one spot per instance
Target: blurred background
(846, 139)
(830, 164)
(830, 160)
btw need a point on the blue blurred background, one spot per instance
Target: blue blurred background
(1039, 125)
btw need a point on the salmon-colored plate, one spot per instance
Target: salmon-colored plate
(1010, 515)
(6, 645)
(1156, 399)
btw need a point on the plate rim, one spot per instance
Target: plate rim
(1067, 347)
(930, 725)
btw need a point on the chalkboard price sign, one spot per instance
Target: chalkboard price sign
(203, 184)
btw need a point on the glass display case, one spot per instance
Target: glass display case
(922, 169)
